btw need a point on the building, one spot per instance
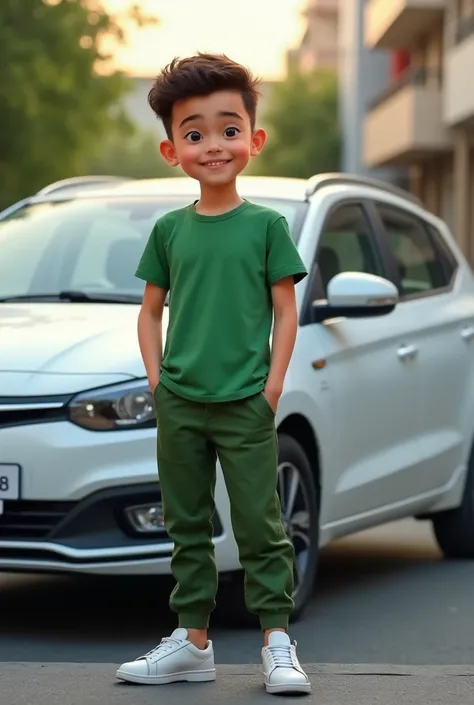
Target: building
(319, 45)
(363, 75)
(458, 114)
(423, 119)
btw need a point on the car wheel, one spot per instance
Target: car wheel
(300, 514)
(454, 529)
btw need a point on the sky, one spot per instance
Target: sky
(254, 32)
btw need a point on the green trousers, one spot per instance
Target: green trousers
(191, 436)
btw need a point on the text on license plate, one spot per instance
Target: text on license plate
(9, 483)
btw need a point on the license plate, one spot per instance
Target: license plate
(9, 483)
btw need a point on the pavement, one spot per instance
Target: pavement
(93, 684)
(384, 596)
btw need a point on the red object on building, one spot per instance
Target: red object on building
(399, 62)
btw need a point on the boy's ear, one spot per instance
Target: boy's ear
(259, 138)
(168, 152)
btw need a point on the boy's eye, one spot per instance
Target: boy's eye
(193, 136)
(231, 131)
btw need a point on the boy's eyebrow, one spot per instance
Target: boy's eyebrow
(228, 113)
(221, 113)
(190, 118)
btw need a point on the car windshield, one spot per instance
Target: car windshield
(88, 248)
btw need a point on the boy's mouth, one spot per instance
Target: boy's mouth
(216, 163)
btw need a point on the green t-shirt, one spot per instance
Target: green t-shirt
(219, 270)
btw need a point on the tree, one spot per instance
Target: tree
(303, 127)
(58, 97)
(134, 155)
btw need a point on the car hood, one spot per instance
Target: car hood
(71, 338)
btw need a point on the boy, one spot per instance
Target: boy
(230, 267)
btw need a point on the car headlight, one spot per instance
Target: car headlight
(119, 407)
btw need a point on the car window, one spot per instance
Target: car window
(19, 254)
(346, 245)
(444, 253)
(421, 269)
(109, 254)
(91, 244)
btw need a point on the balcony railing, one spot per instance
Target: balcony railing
(390, 24)
(412, 76)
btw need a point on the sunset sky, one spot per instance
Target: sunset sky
(254, 32)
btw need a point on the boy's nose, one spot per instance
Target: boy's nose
(214, 147)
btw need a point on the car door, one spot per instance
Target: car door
(436, 303)
(375, 400)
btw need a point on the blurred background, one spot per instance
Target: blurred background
(378, 87)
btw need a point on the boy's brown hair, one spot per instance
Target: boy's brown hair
(201, 75)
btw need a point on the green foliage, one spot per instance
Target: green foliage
(58, 98)
(303, 127)
(135, 155)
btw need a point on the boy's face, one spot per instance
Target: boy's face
(212, 138)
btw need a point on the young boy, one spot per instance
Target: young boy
(230, 267)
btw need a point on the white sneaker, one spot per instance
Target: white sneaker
(174, 659)
(282, 670)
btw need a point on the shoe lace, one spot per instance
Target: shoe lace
(282, 656)
(166, 644)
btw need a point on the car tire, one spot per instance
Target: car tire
(291, 459)
(454, 529)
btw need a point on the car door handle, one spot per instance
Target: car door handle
(467, 333)
(407, 352)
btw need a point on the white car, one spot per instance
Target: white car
(376, 421)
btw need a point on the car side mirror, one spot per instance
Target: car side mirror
(356, 295)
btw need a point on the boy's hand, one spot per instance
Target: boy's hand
(272, 395)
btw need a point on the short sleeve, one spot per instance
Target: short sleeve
(283, 259)
(153, 266)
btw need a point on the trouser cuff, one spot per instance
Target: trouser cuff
(274, 621)
(192, 620)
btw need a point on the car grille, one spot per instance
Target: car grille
(21, 411)
(31, 519)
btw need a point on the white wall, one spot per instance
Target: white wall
(459, 82)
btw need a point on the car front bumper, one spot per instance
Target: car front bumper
(75, 488)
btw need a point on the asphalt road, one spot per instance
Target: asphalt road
(383, 596)
(91, 684)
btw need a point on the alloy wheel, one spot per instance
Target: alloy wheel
(296, 517)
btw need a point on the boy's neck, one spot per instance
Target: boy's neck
(216, 200)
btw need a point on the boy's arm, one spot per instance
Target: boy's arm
(284, 335)
(150, 331)
(153, 268)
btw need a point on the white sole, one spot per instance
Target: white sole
(189, 676)
(287, 688)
